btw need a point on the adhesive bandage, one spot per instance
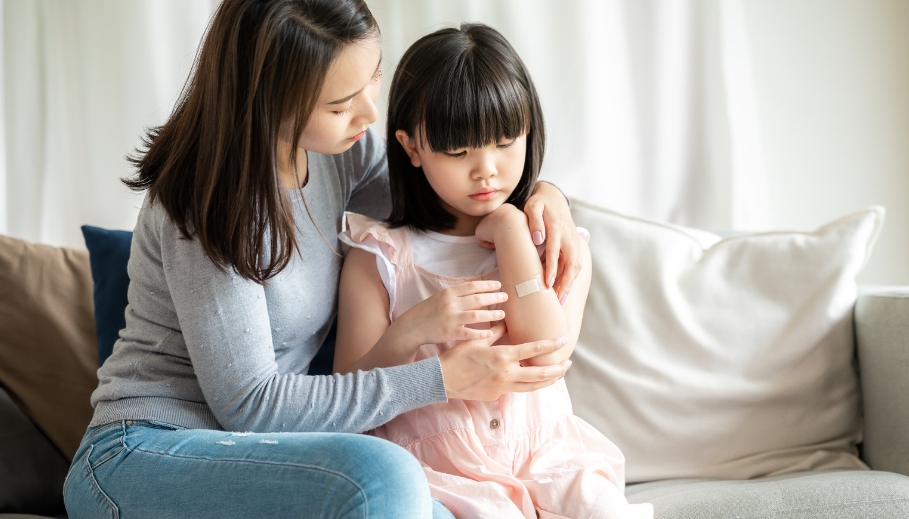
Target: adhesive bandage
(534, 284)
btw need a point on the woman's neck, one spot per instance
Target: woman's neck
(286, 169)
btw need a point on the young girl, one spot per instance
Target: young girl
(465, 143)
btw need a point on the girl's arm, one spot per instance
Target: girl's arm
(538, 315)
(363, 318)
(472, 370)
(366, 337)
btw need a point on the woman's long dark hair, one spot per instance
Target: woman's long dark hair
(458, 88)
(213, 165)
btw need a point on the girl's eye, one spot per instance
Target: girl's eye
(455, 154)
(344, 112)
(378, 75)
(506, 145)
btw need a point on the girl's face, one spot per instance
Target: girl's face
(471, 182)
(347, 105)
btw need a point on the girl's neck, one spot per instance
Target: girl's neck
(286, 169)
(465, 224)
(463, 227)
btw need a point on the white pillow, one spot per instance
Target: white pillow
(721, 358)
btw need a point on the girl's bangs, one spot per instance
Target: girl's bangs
(472, 107)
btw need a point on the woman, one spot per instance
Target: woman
(204, 409)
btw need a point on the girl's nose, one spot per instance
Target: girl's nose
(484, 168)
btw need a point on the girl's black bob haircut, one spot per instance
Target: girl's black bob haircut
(458, 88)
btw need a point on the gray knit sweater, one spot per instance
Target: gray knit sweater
(204, 348)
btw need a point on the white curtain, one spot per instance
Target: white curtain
(81, 79)
(649, 103)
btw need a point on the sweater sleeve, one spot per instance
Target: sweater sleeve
(224, 323)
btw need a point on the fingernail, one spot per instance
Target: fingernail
(564, 341)
(551, 281)
(500, 314)
(569, 363)
(563, 299)
(537, 237)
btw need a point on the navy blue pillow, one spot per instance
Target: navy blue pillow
(322, 363)
(108, 253)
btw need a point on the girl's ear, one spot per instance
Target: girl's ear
(409, 146)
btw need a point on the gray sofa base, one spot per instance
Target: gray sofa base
(806, 495)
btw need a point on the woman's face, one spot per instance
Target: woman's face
(347, 105)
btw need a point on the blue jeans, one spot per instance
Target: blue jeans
(148, 469)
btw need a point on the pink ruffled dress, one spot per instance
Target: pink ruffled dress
(523, 456)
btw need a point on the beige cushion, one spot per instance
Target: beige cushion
(703, 357)
(48, 352)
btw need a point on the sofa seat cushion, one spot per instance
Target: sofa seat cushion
(802, 495)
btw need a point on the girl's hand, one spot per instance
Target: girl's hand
(477, 370)
(444, 316)
(549, 218)
(500, 220)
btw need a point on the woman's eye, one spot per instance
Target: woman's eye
(507, 144)
(345, 112)
(378, 75)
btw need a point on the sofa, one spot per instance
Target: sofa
(745, 376)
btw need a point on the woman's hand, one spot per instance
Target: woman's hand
(477, 370)
(444, 316)
(549, 218)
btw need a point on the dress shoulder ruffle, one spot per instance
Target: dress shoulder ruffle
(365, 233)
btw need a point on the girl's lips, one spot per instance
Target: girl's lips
(483, 196)
(358, 136)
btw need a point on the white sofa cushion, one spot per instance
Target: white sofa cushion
(703, 357)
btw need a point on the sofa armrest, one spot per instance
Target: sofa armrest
(882, 341)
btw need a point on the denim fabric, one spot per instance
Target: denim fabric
(150, 469)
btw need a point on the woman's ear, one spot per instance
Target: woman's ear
(409, 146)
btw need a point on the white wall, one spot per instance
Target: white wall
(832, 83)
